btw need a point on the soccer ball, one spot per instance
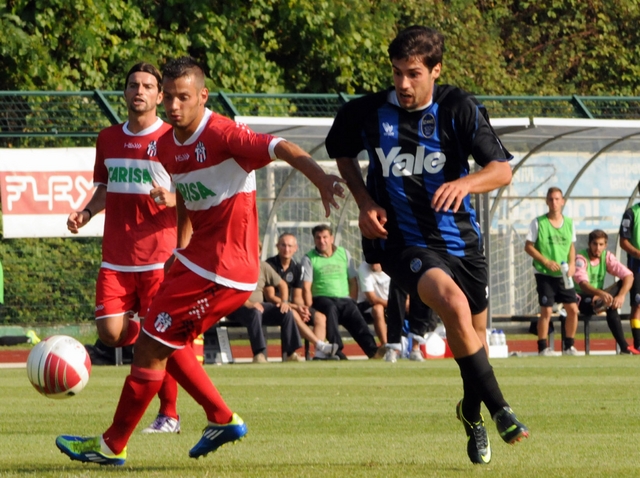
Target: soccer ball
(59, 367)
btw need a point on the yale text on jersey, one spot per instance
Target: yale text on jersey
(407, 164)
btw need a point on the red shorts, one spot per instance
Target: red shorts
(120, 292)
(187, 305)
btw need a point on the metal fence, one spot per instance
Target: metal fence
(579, 159)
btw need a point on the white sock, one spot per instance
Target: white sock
(104, 448)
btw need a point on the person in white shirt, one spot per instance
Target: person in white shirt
(373, 296)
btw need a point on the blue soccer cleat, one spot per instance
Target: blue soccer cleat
(214, 436)
(88, 450)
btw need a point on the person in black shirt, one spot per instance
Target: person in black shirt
(415, 209)
(291, 272)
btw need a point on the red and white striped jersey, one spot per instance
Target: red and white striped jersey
(214, 172)
(139, 235)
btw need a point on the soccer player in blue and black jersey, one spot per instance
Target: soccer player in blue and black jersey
(630, 243)
(415, 209)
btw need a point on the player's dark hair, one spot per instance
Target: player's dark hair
(554, 189)
(321, 228)
(598, 234)
(417, 41)
(145, 68)
(184, 66)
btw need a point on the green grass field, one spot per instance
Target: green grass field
(348, 419)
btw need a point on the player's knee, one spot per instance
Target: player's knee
(108, 338)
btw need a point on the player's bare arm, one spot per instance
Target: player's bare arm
(184, 229)
(306, 293)
(161, 195)
(627, 283)
(530, 249)
(328, 184)
(97, 203)
(627, 247)
(450, 195)
(372, 217)
(299, 306)
(572, 260)
(353, 288)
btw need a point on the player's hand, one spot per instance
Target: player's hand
(553, 266)
(372, 220)
(303, 312)
(329, 186)
(285, 307)
(76, 220)
(162, 196)
(258, 306)
(607, 298)
(617, 302)
(449, 196)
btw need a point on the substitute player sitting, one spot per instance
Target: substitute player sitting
(592, 266)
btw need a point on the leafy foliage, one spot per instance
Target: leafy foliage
(496, 47)
(493, 47)
(40, 284)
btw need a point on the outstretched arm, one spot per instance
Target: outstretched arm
(328, 184)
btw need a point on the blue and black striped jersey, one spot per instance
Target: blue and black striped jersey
(411, 154)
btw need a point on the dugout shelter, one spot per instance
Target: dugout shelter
(587, 146)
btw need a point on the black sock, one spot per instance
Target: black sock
(480, 382)
(615, 326)
(568, 343)
(542, 344)
(470, 403)
(636, 338)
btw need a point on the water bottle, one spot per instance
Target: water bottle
(493, 338)
(568, 281)
(502, 338)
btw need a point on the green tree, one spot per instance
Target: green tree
(570, 46)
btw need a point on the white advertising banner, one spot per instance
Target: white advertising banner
(41, 187)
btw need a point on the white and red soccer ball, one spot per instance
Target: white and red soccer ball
(59, 367)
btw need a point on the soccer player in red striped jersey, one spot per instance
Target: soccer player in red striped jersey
(133, 188)
(211, 160)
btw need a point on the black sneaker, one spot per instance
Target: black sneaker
(510, 429)
(341, 355)
(478, 446)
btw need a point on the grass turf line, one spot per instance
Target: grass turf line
(349, 419)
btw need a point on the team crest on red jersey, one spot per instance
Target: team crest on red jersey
(163, 322)
(152, 149)
(201, 152)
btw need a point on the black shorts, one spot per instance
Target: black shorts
(468, 272)
(365, 310)
(551, 290)
(634, 293)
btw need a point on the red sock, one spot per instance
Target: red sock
(190, 374)
(133, 330)
(139, 389)
(168, 396)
